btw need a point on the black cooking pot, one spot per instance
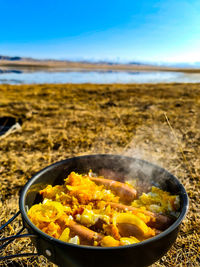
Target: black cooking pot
(65, 254)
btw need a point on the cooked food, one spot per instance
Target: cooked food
(96, 211)
(124, 191)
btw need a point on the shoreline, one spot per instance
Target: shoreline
(87, 66)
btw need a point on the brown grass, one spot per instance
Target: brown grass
(159, 123)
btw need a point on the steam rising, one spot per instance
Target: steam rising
(151, 144)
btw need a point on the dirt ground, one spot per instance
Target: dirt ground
(156, 122)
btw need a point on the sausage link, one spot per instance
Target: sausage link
(158, 221)
(125, 192)
(87, 236)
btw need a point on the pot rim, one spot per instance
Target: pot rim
(40, 233)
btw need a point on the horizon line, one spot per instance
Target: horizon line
(100, 60)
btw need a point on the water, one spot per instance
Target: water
(105, 77)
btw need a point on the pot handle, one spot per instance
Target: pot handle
(7, 240)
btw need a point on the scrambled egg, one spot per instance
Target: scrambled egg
(89, 218)
(158, 201)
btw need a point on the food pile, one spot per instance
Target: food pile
(90, 210)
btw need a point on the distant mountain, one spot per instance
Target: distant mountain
(187, 65)
(136, 63)
(25, 64)
(178, 64)
(10, 58)
(105, 62)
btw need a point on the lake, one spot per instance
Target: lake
(105, 77)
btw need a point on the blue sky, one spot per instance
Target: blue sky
(120, 30)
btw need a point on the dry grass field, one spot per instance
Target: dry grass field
(156, 122)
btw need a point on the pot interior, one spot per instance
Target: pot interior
(115, 167)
